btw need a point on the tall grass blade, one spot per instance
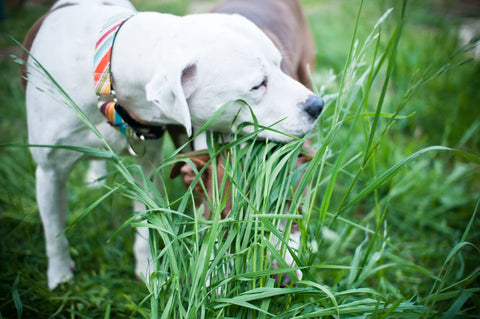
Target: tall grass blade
(107, 311)
(17, 301)
(455, 308)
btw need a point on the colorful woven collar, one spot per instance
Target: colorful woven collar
(108, 105)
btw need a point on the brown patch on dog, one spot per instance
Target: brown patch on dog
(284, 22)
(200, 159)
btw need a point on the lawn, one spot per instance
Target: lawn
(389, 221)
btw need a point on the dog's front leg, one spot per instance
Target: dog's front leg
(141, 248)
(51, 188)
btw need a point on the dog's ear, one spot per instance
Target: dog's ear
(170, 88)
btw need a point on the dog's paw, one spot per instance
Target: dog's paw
(143, 255)
(60, 272)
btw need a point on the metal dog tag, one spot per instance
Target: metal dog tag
(136, 145)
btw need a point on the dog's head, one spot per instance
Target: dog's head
(227, 60)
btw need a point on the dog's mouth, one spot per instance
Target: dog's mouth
(284, 136)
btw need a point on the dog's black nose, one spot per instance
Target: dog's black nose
(313, 106)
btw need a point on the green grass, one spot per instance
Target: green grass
(389, 220)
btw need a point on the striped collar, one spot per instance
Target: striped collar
(108, 105)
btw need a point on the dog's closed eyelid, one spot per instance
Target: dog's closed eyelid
(257, 87)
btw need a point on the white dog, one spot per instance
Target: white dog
(166, 70)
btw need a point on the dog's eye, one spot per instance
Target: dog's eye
(262, 85)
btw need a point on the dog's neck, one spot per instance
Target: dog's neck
(117, 116)
(134, 61)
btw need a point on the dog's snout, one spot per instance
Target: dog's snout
(313, 106)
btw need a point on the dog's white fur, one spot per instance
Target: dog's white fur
(167, 70)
